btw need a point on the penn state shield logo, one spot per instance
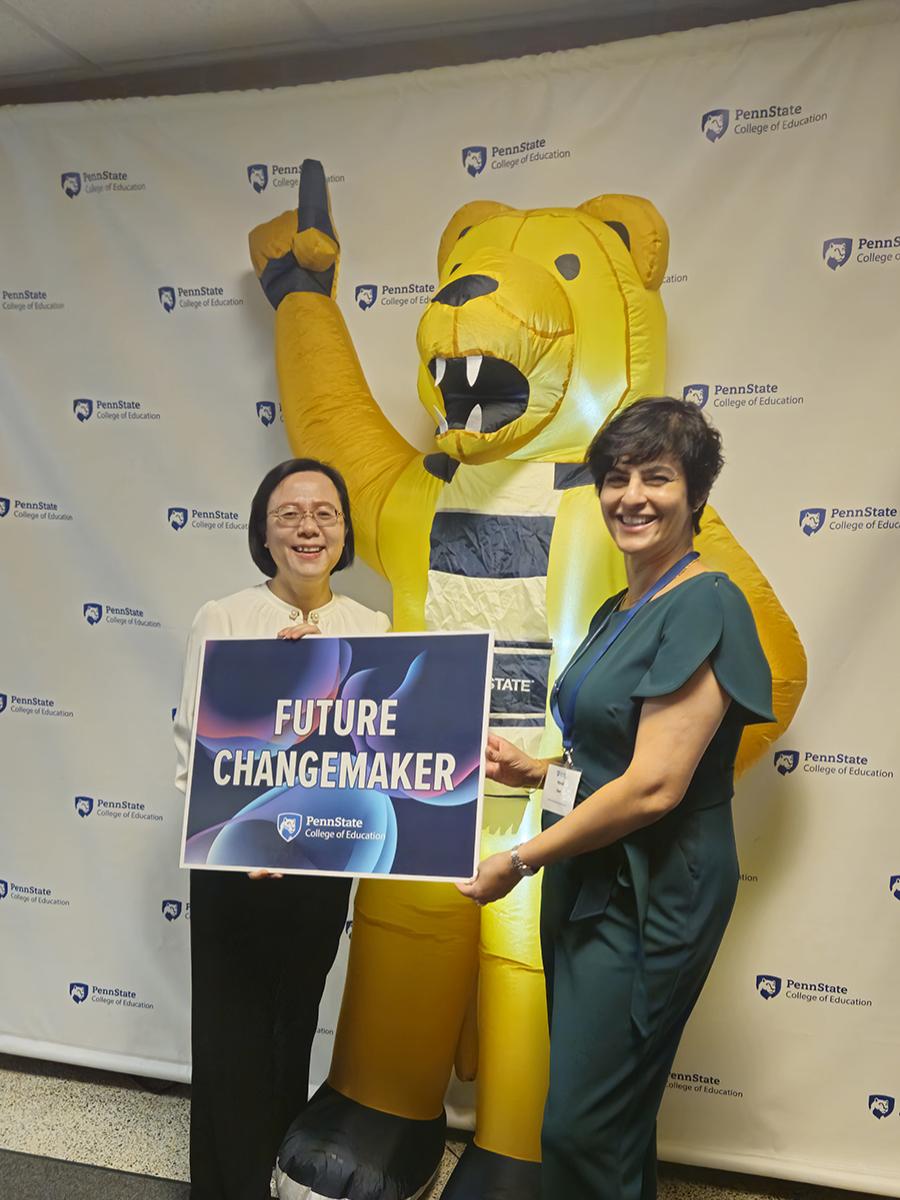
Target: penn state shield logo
(258, 177)
(696, 393)
(3, 701)
(895, 886)
(166, 297)
(177, 517)
(84, 805)
(786, 761)
(289, 826)
(70, 182)
(812, 520)
(365, 295)
(348, 928)
(714, 124)
(4, 505)
(474, 159)
(881, 1106)
(171, 909)
(93, 613)
(83, 409)
(768, 986)
(836, 252)
(265, 410)
(79, 992)
(4, 889)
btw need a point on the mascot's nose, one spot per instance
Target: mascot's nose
(467, 287)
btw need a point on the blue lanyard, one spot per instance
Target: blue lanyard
(565, 720)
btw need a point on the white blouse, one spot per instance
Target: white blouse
(256, 612)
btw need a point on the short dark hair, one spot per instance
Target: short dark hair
(259, 509)
(656, 426)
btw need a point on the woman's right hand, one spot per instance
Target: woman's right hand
(511, 766)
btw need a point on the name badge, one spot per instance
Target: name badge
(560, 789)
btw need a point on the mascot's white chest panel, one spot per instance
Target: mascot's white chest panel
(490, 545)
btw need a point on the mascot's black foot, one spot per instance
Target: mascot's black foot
(344, 1151)
(482, 1175)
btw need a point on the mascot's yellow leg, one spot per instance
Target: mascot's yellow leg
(412, 972)
(514, 1048)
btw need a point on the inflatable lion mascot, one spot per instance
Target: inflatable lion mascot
(544, 324)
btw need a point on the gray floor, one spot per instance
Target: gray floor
(77, 1134)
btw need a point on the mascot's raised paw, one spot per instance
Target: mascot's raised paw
(345, 1151)
(298, 251)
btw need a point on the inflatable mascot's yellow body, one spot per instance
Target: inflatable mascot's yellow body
(545, 323)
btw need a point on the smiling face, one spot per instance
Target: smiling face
(307, 552)
(645, 507)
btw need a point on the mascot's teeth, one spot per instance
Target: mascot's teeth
(441, 420)
(473, 366)
(440, 366)
(473, 424)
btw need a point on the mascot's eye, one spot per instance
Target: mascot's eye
(456, 268)
(568, 265)
(462, 233)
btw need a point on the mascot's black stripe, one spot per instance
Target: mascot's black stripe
(483, 546)
(519, 683)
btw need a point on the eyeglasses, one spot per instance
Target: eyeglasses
(289, 516)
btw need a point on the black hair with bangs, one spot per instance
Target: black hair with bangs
(655, 427)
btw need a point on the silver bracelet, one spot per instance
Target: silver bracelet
(522, 867)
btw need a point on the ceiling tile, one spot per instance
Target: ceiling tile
(111, 32)
(354, 19)
(23, 51)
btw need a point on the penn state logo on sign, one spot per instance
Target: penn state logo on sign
(3, 701)
(348, 928)
(4, 505)
(84, 805)
(696, 393)
(714, 124)
(166, 297)
(79, 992)
(93, 613)
(177, 517)
(768, 986)
(289, 826)
(474, 159)
(895, 886)
(365, 295)
(4, 889)
(83, 408)
(258, 177)
(171, 909)
(70, 182)
(786, 761)
(812, 520)
(265, 410)
(881, 1106)
(836, 252)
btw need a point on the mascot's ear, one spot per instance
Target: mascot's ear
(642, 230)
(463, 220)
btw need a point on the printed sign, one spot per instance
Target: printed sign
(340, 756)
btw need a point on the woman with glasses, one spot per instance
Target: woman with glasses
(260, 951)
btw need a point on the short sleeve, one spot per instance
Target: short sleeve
(711, 620)
(211, 621)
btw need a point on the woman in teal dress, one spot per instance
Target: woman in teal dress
(640, 876)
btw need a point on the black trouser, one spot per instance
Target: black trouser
(260, 952)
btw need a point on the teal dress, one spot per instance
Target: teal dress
(629, 932)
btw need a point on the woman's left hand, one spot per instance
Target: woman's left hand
(495, 879)
(291, 632)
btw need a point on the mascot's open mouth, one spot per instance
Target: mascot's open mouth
(480, 394)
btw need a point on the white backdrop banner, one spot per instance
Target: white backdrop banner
(138, 380)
